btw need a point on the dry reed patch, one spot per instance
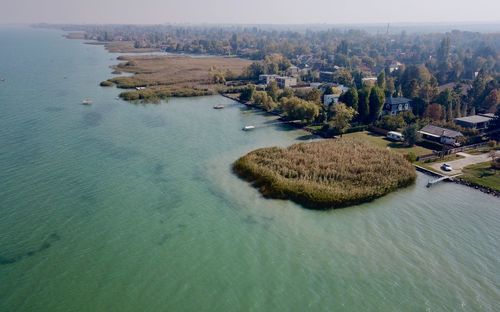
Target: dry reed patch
(326, 174)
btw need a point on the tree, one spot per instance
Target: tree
(296, 108)
(272, 90)
(391, 122)
(262, 99)
(492, 100)
(247, 93)
(314, 96)
(411, 135)
(350, 98)
(286, 93)
(434, 112)
(363, 104)
(342, 116)
(343, 76)
(376, 101)
(255, 70)
(381, 80)
(234, 43)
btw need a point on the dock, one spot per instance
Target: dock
(435, 181)
(438, 177)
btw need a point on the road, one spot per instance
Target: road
(459, 164)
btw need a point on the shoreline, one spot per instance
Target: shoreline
(457, 180)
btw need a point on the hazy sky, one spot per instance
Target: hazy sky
(248, 11)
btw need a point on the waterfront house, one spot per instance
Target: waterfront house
(266, 79)
(369, 81)
(396, 105)
(330, 99)
(292, 71)
(440, 135)
(478, 122)
(325, 76)
(284, 82)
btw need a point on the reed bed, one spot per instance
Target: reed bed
(326, 174)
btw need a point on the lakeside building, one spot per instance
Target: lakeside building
(437, 134)
(292, 71)
(369, 81)
(266, 79)
(325, 76)
(329, 99)
(284, 82)
(396, 105)
(478, 122)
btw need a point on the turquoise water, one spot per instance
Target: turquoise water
(122, 207)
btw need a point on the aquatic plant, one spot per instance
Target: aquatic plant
(326, 174)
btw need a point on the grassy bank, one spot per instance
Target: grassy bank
(482, 174)
(326, 174)
(383, 142)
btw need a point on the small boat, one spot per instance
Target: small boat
(248, 128)
(87, 102)
(220, 106)
(117, 98)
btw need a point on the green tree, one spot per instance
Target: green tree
(234, 43)
(255, 70)
(342, 116)
(262, 99)
(363, 104)
(411, 134)
(247, 93)
(296, 108)
(376, 101)
(350, 98)
(286, 93)
(314, 96)
(381, 80)
(343, 76)
(391, 122)
(273, 90)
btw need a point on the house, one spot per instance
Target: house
(440, 135)
(292, 71)
(369, 81)
(396, 105)
(478, 122)
(284, 82)
(393, 66)
(266, 79)
(330, 99)
(325, 76)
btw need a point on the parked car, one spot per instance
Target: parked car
(446, 167)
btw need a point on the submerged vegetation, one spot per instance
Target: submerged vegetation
(326, 174)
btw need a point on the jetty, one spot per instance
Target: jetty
(435, 181)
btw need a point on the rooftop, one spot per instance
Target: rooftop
(396, 100)
(475, 119)
(439, 132)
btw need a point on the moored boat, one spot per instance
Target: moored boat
(87, 102)
(248, 128)
(219, 106)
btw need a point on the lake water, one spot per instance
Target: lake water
(123, 207)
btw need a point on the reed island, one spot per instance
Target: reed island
(326, 174)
